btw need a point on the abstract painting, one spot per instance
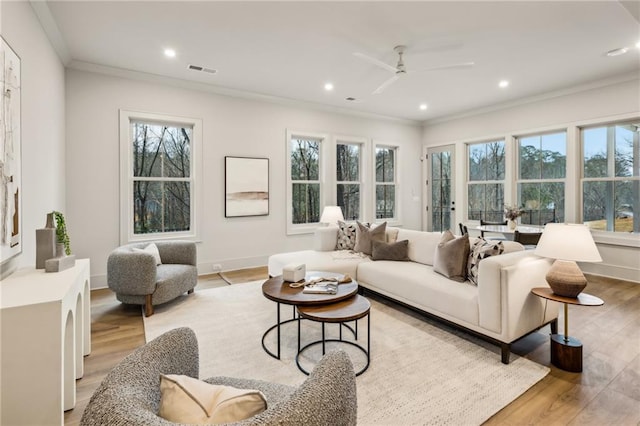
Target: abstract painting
(246, 186)
(10, 155)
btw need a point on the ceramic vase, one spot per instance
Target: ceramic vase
(512, 224)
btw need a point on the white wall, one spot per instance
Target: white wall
(43, 125)
(621, 99)
(231, 126)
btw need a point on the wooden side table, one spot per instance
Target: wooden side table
(566, 351)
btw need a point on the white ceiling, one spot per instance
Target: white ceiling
(290, 49)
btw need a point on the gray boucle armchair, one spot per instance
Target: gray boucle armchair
(137, 280)
(130, 393)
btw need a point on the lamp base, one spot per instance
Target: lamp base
(566, 279)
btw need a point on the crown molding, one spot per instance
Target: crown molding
(50, 27)
(610, 81)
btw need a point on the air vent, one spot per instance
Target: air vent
(203, 69)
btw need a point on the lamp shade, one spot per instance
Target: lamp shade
(568, 241)
(331, 215)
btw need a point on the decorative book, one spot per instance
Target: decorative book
(322, 287)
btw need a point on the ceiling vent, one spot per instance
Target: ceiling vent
(203, 69)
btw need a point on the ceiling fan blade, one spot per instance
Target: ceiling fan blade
(384, 85)
(446, 67)
(375, 62)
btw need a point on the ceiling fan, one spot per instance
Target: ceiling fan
(400, 69)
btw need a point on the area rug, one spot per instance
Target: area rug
(419, 373)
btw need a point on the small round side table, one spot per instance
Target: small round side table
(566, 351)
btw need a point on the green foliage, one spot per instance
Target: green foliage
(61, 232)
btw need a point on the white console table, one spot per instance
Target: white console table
(45, 323)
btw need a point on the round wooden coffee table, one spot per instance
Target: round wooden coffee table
(279, 291)
(352, 309)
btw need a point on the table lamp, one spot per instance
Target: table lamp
(568, 243)
(331, 215)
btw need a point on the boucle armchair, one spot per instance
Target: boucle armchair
(137, 279)
(130, 393)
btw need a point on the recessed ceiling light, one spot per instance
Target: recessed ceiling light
(423, 107)
(618, 52)
(170, 53)
(503, 84)
(328, 87)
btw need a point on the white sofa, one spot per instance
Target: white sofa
(500, 308)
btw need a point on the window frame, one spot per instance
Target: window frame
(395, 220)
(362, 145)
(127, 234)
(468, 181)
(323, 138)
(518, 180)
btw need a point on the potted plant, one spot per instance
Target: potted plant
(61, 234)
(511, 213)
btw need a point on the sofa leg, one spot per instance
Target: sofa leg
(148, 307)
(554, 326)
(506, 352)
(190, 291)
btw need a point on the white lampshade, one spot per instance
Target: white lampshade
(568, 241)
(331, 215)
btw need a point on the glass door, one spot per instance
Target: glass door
(440, 210)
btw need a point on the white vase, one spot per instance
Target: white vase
(512, 224)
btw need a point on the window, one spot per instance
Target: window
(348, 179)
(158, 175)
(485, 181)
(542, 169)
(611, 178)
(386, 184)
(305, 183)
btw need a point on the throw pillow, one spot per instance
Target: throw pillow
(481, 249)
(365, 236)
(184, 399)
(451, 256)
(394, 251)
(152, 249)
(346, 236)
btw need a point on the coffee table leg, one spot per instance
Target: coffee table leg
(323, 339)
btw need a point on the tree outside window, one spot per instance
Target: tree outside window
(485, 183)
(305, 180)
(348, 179)
(161, 164)
(611, 178)
(385, 182)
(542, 164)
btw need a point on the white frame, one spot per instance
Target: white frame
(126, 176)
(305, 228)
(395, 220)
(507, 171)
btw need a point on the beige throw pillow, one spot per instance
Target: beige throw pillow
(152, 249)
(451, 256)
(365, 236)
(396, 251)
(187, 400)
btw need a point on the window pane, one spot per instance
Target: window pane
(626, 193)
(305, 159)
(543, 202)
(476, 201)
(348, 162)
(530, 157)
(486, 161)
(306, 202)
(161, 207)
(385, 201)
(624, 151)
(477, 160)
(554, 156)
(486, 201)
(385, 165)
(495, 161)
(595, 199)
(161, 151)
(595, 152)
(348, 196)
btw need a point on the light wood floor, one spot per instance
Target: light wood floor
(607, 392)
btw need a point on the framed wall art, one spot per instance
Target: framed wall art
(10, 154)
(246, 184)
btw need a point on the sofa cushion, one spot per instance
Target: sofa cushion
(365, 236)
(394, 251)
(481, 249)
(422, 245)
(346, 236)
(324, 238)
(451, 256)
(184, 399)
